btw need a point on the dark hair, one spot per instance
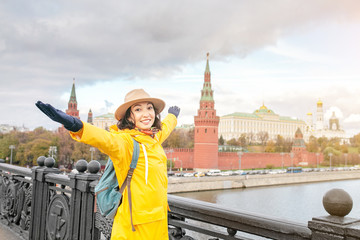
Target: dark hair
(125, 123)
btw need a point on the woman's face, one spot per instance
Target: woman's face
(143, 115)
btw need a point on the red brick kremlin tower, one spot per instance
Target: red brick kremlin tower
(72, 104)
(72, 107)
(206, 127)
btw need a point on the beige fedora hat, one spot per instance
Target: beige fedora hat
(136, 96)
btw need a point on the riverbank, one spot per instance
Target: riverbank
(194, 184)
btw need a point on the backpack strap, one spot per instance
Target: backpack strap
(126, 183)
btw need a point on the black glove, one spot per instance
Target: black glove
(70, 123)
(174, 110)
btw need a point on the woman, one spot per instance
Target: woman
(138, 118)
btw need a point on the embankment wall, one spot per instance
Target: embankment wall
(192, 184)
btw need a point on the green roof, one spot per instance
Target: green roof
(73, 94)
(241, 114)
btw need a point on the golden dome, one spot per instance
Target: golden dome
(319, 102)
(263, 107)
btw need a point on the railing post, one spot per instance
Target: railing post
(40, 197)
(82, 214)
(335, 226)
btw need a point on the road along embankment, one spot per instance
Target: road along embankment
(193, 184)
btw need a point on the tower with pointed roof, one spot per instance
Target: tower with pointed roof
(206, 127)
(319, 115)
(72, 104)
(90, 117)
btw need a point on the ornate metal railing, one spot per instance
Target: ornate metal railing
(43, 203)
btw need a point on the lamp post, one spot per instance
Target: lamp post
(292, 156)
(170, 151)
(317, 160)
(177, 159)
(330, 155)
(345, 154)
(240, 154)
(12, 147)
(92, 150)
(282, 160)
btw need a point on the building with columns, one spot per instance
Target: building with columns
(206, 127)
(255, 125)
(104, 121)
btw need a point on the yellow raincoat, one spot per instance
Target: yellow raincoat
(148, 184)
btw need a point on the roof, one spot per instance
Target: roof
(73, 94)
(107, 115)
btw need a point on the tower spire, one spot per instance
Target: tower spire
(73, 94)
(207, 92)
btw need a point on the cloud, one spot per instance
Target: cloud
(353, 118)
(44, 45)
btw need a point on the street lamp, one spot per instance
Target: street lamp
(240, 154)
(177, 159)
(282, 160)
(170, 151)
(345, 154)
(92, 150)
(292, 156)
(330, 155)
(12, 147)
(317, 160)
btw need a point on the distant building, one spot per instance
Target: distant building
(255, 125)
(319, 129)
(90, 117)
(72, 107)
(6, 128)
(72, 104)
(206, 127)
(105, 121)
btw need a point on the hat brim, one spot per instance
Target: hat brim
(121, 110)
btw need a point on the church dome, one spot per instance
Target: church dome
(319, 103)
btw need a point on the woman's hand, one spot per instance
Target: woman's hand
(174, 110)
(70, 123)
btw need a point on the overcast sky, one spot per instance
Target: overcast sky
(287, 54)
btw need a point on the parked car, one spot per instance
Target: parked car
(199, 174)
(214, 172)
(188, 174)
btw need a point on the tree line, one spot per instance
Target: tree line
(30, 145)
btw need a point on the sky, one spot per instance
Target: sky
(285, 54)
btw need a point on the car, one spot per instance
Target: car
(199, 174)
(188, 174)
(227, 173)
(214, 172)
(180, 174)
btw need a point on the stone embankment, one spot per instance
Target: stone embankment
(193, 184)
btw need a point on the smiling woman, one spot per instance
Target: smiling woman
(145, 216)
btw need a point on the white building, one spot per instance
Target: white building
(105, 121)
(262, 120)
(319, 129)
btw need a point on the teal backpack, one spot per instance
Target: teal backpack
(108, 196)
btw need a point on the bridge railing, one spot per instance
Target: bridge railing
(43, 203)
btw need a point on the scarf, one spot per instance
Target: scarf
(151, 132)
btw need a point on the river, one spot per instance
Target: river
(296, 202)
